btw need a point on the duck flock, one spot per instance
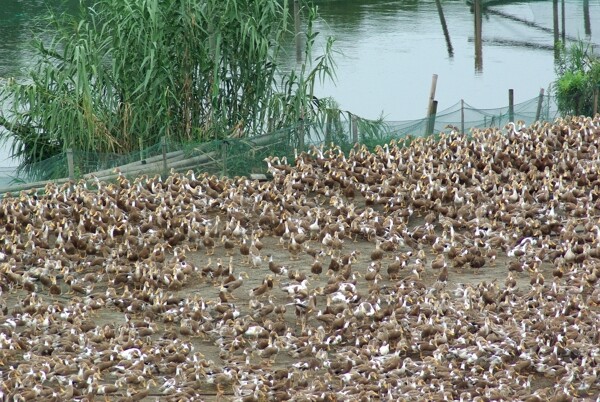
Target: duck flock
(460, 267)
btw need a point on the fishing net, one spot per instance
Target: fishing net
(245, 156)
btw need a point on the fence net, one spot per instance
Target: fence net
(245, 156)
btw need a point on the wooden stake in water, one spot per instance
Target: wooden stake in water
(478, 36)
(587, 27)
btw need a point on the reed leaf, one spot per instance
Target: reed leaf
(133, 71)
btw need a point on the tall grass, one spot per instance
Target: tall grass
(131, 71)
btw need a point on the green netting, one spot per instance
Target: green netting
(244, 156)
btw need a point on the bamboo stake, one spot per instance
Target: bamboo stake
(432, 94)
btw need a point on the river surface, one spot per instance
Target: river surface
(389, 50)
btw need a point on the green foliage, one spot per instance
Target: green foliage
(141, 69)
(578, 71)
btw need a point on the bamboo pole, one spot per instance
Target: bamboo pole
(539, 105)
(434, 79)
(511, 105)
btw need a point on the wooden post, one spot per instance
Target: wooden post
(511, 105)
(300, 134)
(539, 106)
(297, 31)
(432, 118)
(328, 129)
(224, 157)
(555, 28)
(478, 36)
(70, 164)
(438, 3)
(462, 116)
(432, 94)
(141, 144)
(562, 21)
(163, 143)
(354, 130)
(587, 27)
(596, 101)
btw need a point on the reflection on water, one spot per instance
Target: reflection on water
(391, 49)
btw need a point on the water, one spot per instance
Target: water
(389, 51)
(20, 22)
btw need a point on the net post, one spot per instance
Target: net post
(70, 164)
(431, 119)
(511, 105)
(539, 105)
(163, 143)
(432, 94)
(141, 144)
(224, 156)
(462, 116)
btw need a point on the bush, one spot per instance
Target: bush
(578, 81)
